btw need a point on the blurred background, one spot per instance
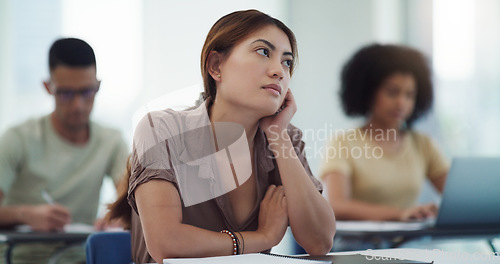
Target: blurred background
(148, 55)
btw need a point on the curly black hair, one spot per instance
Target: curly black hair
(366, 70)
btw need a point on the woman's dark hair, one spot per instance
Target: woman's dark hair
(363, 74)
(120, 209)
(229, 31)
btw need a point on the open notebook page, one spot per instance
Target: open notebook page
(244, 259)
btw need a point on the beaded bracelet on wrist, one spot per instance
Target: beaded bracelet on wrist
(234, 239)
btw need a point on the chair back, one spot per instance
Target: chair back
(109, 248)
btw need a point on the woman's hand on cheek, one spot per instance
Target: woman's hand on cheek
(279, 122)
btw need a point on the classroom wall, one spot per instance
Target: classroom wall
(27, 31)
(174, 33)
(151, 49)
(329, 32)
(4, 48)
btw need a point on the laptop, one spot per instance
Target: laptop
(471, 196)
(470, 200)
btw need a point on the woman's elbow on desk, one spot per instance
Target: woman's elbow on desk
(319, 250)
(320, 247)
(322, 243)
(166, 249)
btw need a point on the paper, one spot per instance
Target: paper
(374, 226)
(79, 228)
(244, 259)
(350, 258)
(69, 228)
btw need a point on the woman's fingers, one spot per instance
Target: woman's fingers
(269, 193)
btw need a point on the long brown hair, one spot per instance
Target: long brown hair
(228, 31)
(222, 37)
(120, 209)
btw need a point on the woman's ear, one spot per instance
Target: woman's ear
(213, 62)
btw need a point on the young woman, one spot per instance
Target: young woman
(247, 61)
(376, 172)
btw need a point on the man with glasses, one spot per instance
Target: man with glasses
(52, 168)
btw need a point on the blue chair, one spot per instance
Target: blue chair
(109, 248)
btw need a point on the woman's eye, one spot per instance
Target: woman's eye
(288, 63)
(263, 52)
(411, 95)
(392, 92)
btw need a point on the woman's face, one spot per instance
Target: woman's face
(256, 73)
(395, 100)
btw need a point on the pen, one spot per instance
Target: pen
(47, 197)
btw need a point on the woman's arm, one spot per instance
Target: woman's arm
(339, 196)
(311, 217)
(345, 208)
(439, 182)
(160, 211)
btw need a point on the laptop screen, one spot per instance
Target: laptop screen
(472, 193)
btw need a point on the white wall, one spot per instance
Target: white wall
(114, 29)
(328, 33)
(174, 33)
(5, 80)
(27, 30)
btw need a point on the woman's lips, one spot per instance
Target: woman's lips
(273, 88)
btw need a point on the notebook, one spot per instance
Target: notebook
(247, 258)
(363, 259)
(279, 259)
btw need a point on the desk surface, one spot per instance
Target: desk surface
(382, 229)
(13, 237)
(424, 232)
(23, 234)
(389, 255)
(438, 256)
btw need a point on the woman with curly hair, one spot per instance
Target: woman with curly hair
(377, 171)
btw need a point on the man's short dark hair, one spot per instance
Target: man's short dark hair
(363, 74)
(71, 52)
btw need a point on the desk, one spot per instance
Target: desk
(368, 256)
(397, 237)
(13, 238)
(439, 257)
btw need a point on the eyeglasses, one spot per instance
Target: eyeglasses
(69, 95)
